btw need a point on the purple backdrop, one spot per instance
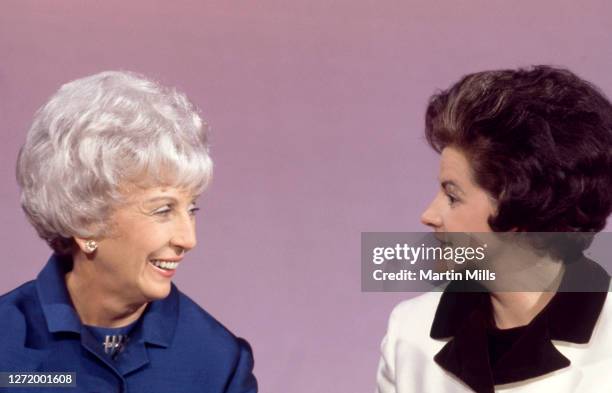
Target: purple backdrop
(316, 108)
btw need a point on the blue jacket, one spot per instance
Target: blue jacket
(175, 347)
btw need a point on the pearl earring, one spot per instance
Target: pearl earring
(90, 246)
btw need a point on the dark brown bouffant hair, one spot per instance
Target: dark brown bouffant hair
(539, 140)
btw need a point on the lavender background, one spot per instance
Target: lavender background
(317, 109)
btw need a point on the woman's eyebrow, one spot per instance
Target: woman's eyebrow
(161, 198)
(450, 183)
(170, 199)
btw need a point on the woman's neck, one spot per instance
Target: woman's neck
(525, 283)
(95, 305)
(513, 309)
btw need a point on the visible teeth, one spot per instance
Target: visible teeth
(164, 264)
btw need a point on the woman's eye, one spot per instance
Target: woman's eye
(162, 211)
(194, 210)
(451, 199)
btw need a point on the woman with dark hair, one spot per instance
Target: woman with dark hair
(110, 173)
(522, 151)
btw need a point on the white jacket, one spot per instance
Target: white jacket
(407, 364)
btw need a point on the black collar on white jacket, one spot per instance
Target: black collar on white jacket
(466, 317)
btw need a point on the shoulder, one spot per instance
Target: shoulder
(21, 314)
(24, 292)
(602, 332)
(200, 336)
(203, 329)
(407, 349)
(194, 317)
(412, 318)
(18, 304)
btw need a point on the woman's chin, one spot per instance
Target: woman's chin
(156, 291)
(155, 287)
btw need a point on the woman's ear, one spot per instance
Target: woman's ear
(87, 246)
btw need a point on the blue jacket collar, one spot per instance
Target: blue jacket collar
(158, 321)
(54, 297)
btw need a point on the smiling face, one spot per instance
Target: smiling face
(149, 236)
(460, 205)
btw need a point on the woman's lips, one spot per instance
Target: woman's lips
(168, 272)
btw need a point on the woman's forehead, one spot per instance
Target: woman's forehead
(454, 167)
(142, 194)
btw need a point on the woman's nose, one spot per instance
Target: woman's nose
(431, 216)
(185, 234)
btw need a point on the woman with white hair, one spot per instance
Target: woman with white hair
(110, 173)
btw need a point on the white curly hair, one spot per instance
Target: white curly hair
(100, 133)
